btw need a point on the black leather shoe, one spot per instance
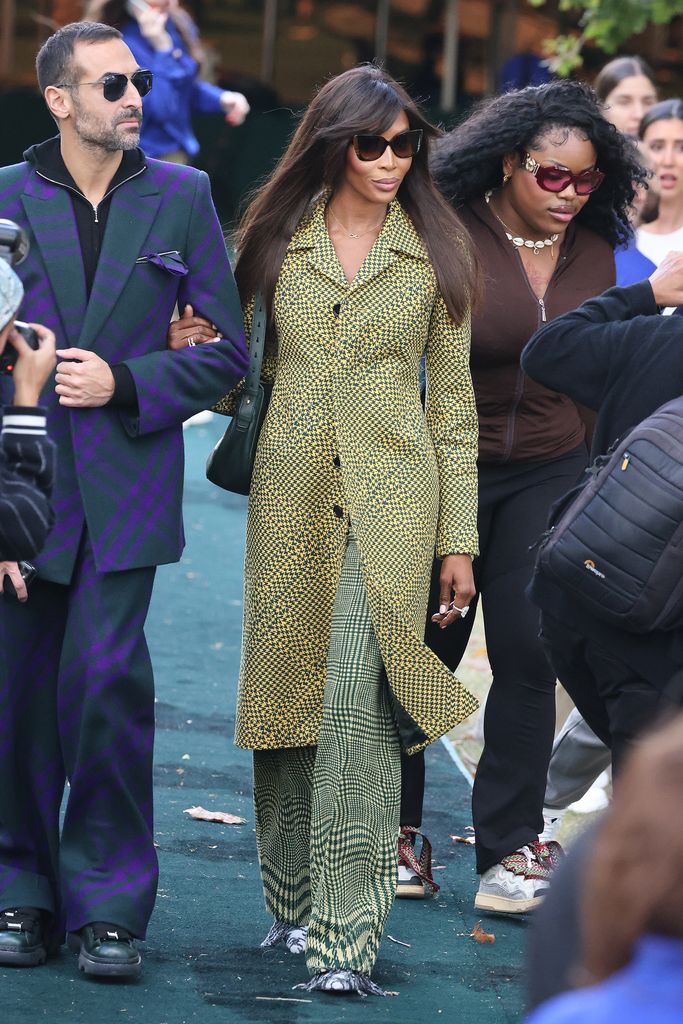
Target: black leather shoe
(106, 950)
(21, 937)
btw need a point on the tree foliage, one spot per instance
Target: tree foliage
(607, 23)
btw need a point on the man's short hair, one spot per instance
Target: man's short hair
(54, 63)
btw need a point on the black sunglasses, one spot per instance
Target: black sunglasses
(371, 147)
(115, 84)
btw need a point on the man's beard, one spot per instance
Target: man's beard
(109, 137)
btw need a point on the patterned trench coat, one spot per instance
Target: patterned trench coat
(346, 440)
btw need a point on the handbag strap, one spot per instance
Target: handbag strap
(257, 345)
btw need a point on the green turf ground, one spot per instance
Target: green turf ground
(202, 958)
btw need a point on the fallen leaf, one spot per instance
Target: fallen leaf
(479, 935)
(201, 814)
(467, 840)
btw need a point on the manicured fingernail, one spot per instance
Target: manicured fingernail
(442, 608)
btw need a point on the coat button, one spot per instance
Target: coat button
(336, 308)
(336, 461)
(339, 512)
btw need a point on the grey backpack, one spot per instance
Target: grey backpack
(616, 545)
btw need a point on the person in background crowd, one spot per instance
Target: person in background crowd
(164, 39)
(627, 88)
(661, 134)
(631, 898)
(365, 268)
(543, 183)
(117, 240)
(27, 460)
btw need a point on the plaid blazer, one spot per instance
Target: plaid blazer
(121, 475)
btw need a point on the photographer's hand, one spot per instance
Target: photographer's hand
(85, 384)
(11, 569)
(33, 366)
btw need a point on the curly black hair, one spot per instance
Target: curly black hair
(468, 161)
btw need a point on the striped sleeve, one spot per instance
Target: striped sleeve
(27, 464)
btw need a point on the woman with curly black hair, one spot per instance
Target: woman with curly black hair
(543, 182)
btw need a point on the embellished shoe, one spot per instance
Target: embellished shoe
(414, 873)
(106, 950)
(21, 937)
(293, 935)
(341, 982)
(519, 882)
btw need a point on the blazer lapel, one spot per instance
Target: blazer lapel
(50, 214)
(397, 238)
(134, 206)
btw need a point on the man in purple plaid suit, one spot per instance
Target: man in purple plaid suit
(117, 241)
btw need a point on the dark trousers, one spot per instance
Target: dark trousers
(613, 697)
(77, 703)
(519, 721)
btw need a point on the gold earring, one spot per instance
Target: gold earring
(506, 178)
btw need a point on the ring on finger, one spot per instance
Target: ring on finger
(462, 612)
(191, 342)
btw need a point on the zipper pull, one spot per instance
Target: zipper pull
(625, 461)
(544, 318)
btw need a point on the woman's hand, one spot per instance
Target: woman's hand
(153, 27)
(235, 107)
(456, 589)
(190, 330)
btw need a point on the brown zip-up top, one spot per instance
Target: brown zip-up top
(520, 420)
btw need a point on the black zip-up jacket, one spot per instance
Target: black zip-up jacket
(91, 224)
(617, 355)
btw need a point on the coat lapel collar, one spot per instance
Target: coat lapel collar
(134, 206)
(312, 237)
(50, 214)
(398, 237)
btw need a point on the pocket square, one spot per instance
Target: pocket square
(172, 262)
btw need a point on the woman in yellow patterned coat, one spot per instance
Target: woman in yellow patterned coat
(354, 486)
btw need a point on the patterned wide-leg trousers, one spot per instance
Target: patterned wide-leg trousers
(327, 818)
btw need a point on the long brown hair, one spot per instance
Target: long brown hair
(362, 100)
(634, 881)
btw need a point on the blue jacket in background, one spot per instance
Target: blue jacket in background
(176, 95)
(631, 264)
(648, 991)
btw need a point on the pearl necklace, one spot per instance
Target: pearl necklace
(352, 234)
(520, 242)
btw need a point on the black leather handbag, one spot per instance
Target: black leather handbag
(231, 463)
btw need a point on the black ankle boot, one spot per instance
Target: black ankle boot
(21, 937)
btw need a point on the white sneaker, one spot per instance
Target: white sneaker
(518, 884)
(595, 799)
(552, 822)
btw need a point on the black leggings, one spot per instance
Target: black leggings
(519, 722)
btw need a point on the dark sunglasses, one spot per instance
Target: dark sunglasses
(371, 147)
(556, 179)
(115, 84)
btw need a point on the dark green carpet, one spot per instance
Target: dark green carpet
(202, 958)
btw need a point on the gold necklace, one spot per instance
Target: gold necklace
(520, 242)
(353, 234)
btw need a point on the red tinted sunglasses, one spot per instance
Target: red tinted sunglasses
(557, 179)
(371, 147)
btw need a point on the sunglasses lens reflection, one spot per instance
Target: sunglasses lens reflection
(552, 179)
(115, 85)
(371, 147)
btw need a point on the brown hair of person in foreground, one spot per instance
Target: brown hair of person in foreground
(634, 880)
